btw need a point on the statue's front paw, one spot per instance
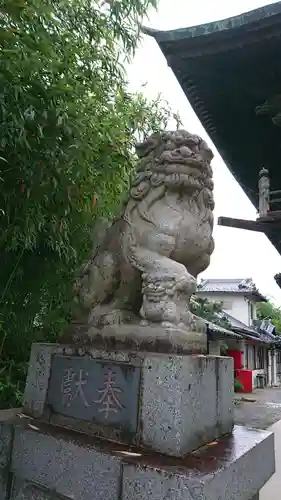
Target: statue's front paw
(186, 284)
(187, 318)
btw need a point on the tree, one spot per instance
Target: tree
(210, 311)
(67, 132)
(267, 310)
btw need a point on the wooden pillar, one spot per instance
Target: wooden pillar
(264, 190)
(274, 368)
(269, 375)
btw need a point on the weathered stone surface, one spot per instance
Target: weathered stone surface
(6, 434)
(7, 418)
(3, 484)
(233, 469)
(190, 398)
(187, 401)
(224, 369)
(95, 390)
(37, 379)
(65, 467)
(39, 370)
(144, 267)
(22, 490)
(78, 467)
(6, 443)
(147, 338)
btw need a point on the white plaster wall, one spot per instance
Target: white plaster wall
(240, 309)
(254, 376)
(251, 360)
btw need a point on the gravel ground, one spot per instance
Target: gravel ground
(263, 411)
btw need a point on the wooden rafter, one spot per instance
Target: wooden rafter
(269, 220)
(261, 226)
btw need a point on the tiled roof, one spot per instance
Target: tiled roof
(219, 285)
(251, 333)
(244, 286)
(239, 325)
(219, 332)
(239, 330)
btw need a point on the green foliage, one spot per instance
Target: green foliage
(238, 386)
(67, 131)
(223, 349)
(209, 310)
(267, 310)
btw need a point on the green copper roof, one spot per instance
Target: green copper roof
(227, 69)
(243, 20)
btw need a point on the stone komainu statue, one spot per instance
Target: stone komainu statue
(144, 268)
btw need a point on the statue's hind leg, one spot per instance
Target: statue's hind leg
(123, 305)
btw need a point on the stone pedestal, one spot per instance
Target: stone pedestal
(128, 426)
(170, 404)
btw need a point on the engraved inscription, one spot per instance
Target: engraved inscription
(109, 399)
(98, 391)
(80, 380)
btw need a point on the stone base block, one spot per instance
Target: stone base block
(136, 337)
(6, 444)
(186, 402)
(74, 466)
(23, 490)
(232, 468)
(3, 484)
(64, 463)
(168, 403)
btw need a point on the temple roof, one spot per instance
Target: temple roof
(227, 69)
(244, 287)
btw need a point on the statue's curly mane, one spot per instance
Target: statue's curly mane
(175, 161)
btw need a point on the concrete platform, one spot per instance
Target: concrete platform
(75, 466)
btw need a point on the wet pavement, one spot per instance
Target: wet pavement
(261, 411)
(271, 490)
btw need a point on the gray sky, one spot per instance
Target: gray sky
(238, 254)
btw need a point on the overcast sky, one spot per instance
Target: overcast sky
(238, 254)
